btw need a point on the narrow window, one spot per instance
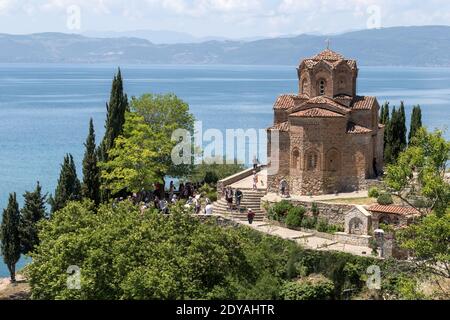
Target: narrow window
(322, 87)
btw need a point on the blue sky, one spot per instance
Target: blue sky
(227, 18)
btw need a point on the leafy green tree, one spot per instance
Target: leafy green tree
(416, 122)
(429, 243)
(91, 172)
(135, 159)
(32, 212)
(68, 188)
(115, 116)
(125, 255)
(165, 114)
(306, 289)
(10, 235)
(142, 156)
(420, 172)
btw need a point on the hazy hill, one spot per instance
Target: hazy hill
(407, 46)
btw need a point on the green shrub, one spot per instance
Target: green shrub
(309, 222)
(322, 225)
(320, 289)
(211, 177)
(385, 199)
(295, 216)
(314, 209)
(374, 192)
(279, 210)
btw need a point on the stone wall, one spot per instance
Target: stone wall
(333, 212)
(352, 239)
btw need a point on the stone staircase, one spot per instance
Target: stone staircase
(250, 199)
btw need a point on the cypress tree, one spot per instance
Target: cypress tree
(416, 122)
(91, 172)
(402, 128)
(115, 116)
(388, 135)
(32, 212)
(384, 114)
(10, 235)
(68, 188)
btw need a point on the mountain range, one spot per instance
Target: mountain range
(396, 46)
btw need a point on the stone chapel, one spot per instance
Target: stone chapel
(329, 138)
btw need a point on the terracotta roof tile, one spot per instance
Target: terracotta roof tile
(322, 100)
(328, 54)
(357, 129)
(392, 209)
(287, 101)
(363, 103)
(330, 57)
(316, 113)
(283, 126)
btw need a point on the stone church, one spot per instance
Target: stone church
(329, 138)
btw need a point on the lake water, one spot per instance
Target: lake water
(45, 109)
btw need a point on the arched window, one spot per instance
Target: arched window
(312, 160)
(322, 87)
(295, 159)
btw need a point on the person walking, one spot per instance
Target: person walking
(250, 216)
(239, 196)
(255, 181)
(197, 204)
(229, 198)
(255, 162)
(209, 207)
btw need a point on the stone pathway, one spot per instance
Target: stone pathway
(272, 197)
(307, 240)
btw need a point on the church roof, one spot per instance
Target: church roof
(316, 113)
(353, 128)
(283, 126)
(330, 57)
(287, 101)
(323, 102)
(363, 103)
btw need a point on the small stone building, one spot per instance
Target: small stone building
(396, 216)
(358, 221)
(327, 138)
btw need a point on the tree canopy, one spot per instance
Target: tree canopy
(420, 172)
(142, 154)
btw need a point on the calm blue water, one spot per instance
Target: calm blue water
(45, 109)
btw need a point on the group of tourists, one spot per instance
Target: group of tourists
(161, 200)
(234, 199)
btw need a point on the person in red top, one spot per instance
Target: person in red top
(250, 216)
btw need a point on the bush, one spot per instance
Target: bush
(211, 177)
(295, 216)
(279, 210)
(324, 226)
(314, 209)
(374, 192)
(385, 199)
(319, 289)
(309, 222)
